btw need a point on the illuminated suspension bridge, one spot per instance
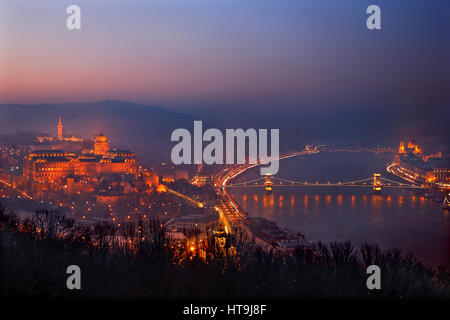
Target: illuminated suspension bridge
(376, 182)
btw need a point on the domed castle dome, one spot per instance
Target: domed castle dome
(101, 146)
(101, 138)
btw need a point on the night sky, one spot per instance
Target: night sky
(186, 54)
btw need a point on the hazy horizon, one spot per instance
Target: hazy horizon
(138, 125)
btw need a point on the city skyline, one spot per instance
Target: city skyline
(270, 151)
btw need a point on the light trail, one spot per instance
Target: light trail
(13, 188)
(186, 198)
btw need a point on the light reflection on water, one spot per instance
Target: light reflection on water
(396, 218)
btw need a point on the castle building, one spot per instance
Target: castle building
(46, 166)
(49, 166)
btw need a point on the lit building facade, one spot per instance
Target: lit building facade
(442, 175)
(48, 166)
(202, 179)
(412, 147)
(430, 168)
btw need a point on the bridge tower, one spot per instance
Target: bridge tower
(376, 183)
(268, 183)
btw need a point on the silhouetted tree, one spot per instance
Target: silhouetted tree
(52, 224)
(153, 268)
(8, 222)
(102, 235)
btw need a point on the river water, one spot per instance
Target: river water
(396, 218)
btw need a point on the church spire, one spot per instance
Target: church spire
(401, 148)
(60, 129)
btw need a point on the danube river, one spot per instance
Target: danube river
(396, 218)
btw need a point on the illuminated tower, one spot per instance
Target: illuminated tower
(268, 183)
(401, 148)
(60, 128)
(417, 149)
(376, 187)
